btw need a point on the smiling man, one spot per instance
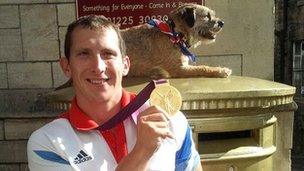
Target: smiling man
(96, 61)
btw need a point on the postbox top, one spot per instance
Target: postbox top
(212, 93)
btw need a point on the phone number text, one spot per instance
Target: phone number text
(129, 20)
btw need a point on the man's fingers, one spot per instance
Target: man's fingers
(155, 117)
(155, 123)
(168, 134)
(154, 109)
(164, 133)
(150, 110)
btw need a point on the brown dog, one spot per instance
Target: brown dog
(152, 54)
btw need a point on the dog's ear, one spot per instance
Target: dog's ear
(188, 15)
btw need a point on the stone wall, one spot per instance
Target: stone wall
(246, 43)
(31, 38)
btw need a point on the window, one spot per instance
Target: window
(300, 3)
(298, 55)
(298, 68)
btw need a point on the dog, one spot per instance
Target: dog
(152, 54)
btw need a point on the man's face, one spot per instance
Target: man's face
(95, 64)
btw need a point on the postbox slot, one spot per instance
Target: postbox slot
(222, 142)
(224, 135)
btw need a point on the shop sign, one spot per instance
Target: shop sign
(127, 13)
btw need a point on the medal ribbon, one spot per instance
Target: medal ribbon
(135, 104)
(174, 37)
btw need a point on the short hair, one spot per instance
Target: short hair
(92, 22)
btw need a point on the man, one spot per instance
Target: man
(147, 140)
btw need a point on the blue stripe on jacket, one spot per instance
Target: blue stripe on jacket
(51, 156)
(183, 155)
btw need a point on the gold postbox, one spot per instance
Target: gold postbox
(238, 123)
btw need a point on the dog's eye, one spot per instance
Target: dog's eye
(209, 16)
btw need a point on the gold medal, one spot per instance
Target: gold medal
(166, 97)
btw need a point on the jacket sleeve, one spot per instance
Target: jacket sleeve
(186, 158)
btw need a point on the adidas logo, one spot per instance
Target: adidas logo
(81, 157)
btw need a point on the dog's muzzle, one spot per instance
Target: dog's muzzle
(220, 23)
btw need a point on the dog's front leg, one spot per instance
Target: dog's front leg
(203, 70)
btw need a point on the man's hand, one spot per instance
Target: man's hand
(152, 129)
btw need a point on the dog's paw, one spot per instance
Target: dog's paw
(225, 72)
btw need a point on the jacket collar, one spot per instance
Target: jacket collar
(83, 122)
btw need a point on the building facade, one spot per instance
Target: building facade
(289, 64)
